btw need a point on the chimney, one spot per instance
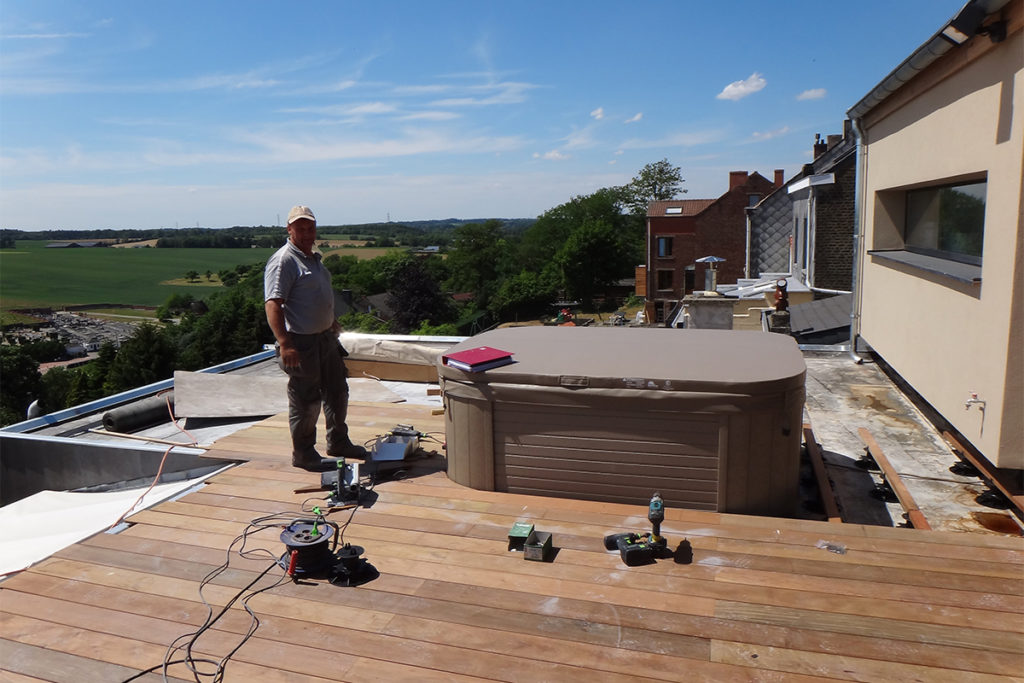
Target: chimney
(819, 146)
(737, 178)
(834, 140)
(779, 177)
(847, 129)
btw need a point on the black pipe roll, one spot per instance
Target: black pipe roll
(149, 411)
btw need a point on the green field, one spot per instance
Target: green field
(32, 276)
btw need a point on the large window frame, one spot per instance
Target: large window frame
(946, 221)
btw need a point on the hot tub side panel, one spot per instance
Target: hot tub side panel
(601, 452)
(469, 440)
(729, 453)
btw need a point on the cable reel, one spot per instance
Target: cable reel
(311, 555)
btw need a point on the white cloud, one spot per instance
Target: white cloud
(360, 109)
(553, 155)
(598, 113)
(679, 139)
(430, 116)
(812, 94)
(579, 139)
(737, 90)
(768, 135)
(636, 117)
(508, 92)
(42, 36)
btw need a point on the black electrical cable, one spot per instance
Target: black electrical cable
(258, 524)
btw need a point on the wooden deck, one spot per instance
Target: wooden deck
(746, 598)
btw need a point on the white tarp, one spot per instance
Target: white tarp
(198, 394)
(33, 528)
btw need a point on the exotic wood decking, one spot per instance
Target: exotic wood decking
(750, 598)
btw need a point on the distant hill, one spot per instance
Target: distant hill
(413, 233)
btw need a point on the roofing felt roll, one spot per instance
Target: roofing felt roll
(149, 411)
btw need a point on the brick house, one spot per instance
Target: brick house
(806, 227)
(680, 231)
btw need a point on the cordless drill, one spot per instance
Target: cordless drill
(637, 549)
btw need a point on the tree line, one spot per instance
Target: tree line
(577, 250)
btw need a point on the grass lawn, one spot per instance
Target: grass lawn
(32, 276)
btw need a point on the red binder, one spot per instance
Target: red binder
(478, 359)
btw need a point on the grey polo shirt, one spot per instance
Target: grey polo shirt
(305, 286)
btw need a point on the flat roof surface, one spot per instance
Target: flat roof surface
(742, 598)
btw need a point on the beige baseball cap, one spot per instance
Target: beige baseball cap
(300, 211)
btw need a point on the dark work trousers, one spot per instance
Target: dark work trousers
(321, 378)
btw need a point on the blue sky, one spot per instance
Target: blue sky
(163, 114)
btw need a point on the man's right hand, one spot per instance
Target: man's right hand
(289, 356)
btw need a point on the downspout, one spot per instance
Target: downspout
(858, 233)
(812, 227)
(746, 266)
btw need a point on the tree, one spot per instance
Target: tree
(56, 388)
(585, 243)
(657, 181)
(594, 257)
(191, 276)
(475, 258)
(147, 356)
(234, 325)
(21, 384)
(416, 297)
(547, 235)
(527, 293)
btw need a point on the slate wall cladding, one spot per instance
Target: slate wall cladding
(833, 251)
(771, 224)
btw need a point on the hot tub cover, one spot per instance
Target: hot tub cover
(648, 359)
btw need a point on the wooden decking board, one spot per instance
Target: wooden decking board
(500, 621)
(291, 644)
(121, 650)
(750, 583)
(758, 600)
(587, 615)
(716, 629)
(456, 555)
(798, 662)
(23, 663)
(914, 631)
(457, 539)
(853, 542)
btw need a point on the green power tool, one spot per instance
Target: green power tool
(637, 549)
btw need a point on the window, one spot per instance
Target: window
(753, 199)
(664, 279)
(664, 246)
(674, 210)
(947, 221)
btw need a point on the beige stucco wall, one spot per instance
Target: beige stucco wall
(945, 337)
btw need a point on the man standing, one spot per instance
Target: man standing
(300, 311)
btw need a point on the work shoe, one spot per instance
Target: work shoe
(312, 462)
(349, 451)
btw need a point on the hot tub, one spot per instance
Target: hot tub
(710, 418)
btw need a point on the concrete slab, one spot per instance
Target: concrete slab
(843, 397)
